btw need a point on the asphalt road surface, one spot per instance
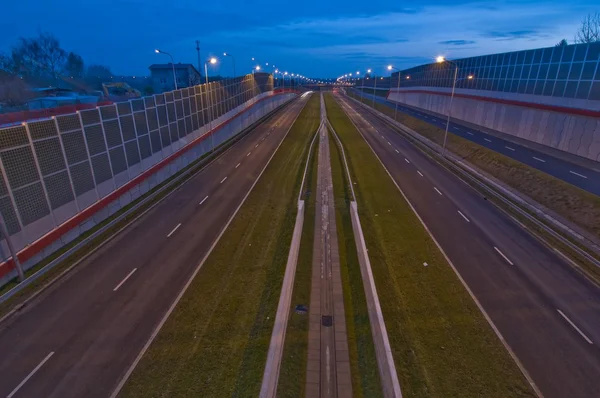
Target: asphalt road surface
(547, 312)
(80, 336)
(582, 177)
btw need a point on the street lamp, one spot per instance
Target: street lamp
(212, 61)
(390, 67)
(441, 60)
(172, 64)
(233, 59)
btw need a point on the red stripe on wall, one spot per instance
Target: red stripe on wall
(545, 107)
(37, 246)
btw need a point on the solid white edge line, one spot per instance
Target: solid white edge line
(237, 165)
(17, 388)
(577, 174)
(467, 288)
(503, 256)
(539, 160)
(463, 216)
(203, 200)
(421, 174)
(509, 148)
(124, 280)
(127, 374)
(174, 229)
(223, 180)
(575, 327)
(437, 190)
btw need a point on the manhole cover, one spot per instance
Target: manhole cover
(327, 320)
(301, 309)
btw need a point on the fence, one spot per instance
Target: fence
(53, 169)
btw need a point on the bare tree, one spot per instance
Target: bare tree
(74, 65)
(589, 31)
(38, 57)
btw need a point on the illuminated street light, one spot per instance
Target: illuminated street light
(212, 61)
(440, 59)
(233, 59)
(172, 64)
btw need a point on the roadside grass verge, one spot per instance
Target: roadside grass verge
(363, 360)
(215, 342)
(55, 272)
(292, 374)
(441, 343)
(570, 202)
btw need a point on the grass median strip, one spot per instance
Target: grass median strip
(572, 203)
(292, 374)
(216, 340)
(442, 344)
(363, 360)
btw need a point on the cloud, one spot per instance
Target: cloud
(514, 35)
(457, 42)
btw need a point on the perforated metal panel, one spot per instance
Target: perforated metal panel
(145, 150)
(162, 116)
(133, 155)
(152, 119)
(169, 97)
(58, 187)
(13, 136)
(10, 217)
(159, 99)
(101, 167)
(65, 123)
(3, 188)
(127, 127)
(181, 128)
(20, 166)
(108, 112)
(177, 94)
(155, 141)
(117, 159)
(124, 108)
(171, 112)
(74, 144)
(112, 130)
(174, 133)
(50, 156)
(179, 109)
(186, 107)
(149, 102)
(95, 139)
(165, 136)
(137, 105)
(188, 124)
(91, 116)
(140, 123)
(31, 202)
(43, 129)
(82, 177)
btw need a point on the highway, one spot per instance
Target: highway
(582, 177)
(80, 336)
(548, 313)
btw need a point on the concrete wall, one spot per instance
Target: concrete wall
(186, 151)
(572, 127)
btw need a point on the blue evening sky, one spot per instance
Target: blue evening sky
(313, 38)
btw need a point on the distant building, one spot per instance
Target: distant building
(162, 76)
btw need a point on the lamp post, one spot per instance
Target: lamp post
(390, 67)
(212, 61)
(172, 64)
(374, 91)
(440, 60)
(362, 92)
(233, 59)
